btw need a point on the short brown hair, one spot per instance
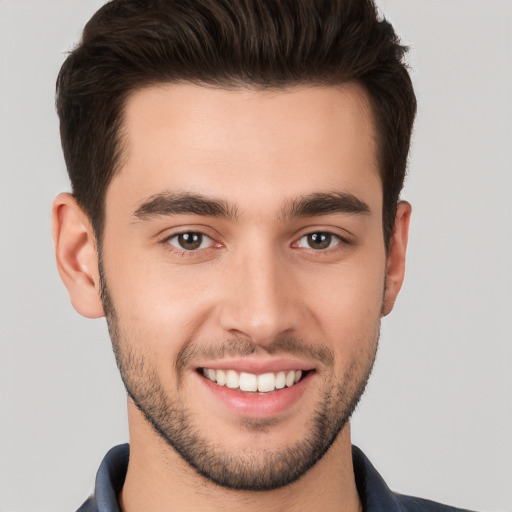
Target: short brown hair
(129, 44)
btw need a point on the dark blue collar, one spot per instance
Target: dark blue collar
(374, 493)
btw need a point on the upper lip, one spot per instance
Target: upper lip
(258, 366)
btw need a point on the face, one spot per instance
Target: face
(243, 272)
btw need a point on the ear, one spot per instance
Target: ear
(395, 266)
(77, 256)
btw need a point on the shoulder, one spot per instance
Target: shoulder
(88, 506)
(412, 504)
(376, 496)
(109, 481)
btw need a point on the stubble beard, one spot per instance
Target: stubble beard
(265, 470)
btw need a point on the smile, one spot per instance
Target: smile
(250, 382)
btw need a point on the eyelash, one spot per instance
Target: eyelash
(184, 252)
(342, 242)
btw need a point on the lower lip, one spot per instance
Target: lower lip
(258, 405)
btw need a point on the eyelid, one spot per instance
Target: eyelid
(344, 241)
(342, 234)
(165, 241)
(204, 239)
(334, 235)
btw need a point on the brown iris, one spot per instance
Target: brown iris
(319, 240)
(190, 241)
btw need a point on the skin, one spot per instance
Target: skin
(254, 279)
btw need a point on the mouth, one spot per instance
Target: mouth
(254, 383)
(252, 388)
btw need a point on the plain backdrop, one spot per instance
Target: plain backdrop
(436, 420)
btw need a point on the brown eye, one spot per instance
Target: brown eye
(320, 240)
(190, 241)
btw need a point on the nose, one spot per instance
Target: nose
(259, 299)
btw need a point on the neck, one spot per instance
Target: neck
(159, 479)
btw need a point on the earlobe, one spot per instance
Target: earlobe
(76, 254)
(395, 266)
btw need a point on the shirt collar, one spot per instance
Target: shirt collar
(375, 495)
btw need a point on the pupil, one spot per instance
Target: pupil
(319, 240)
(190, 241)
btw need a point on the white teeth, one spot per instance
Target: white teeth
(232, 379)
(221, 378)
(280, 380)
(266, 382)
(249, 382)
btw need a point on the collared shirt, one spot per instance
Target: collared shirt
(374, 493)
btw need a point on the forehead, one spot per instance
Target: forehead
(247, 145)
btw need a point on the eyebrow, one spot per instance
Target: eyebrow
(320, 203)
(325, 203)
(180, 203)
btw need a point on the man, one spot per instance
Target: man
(236, 171)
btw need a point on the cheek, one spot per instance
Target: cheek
(154, 303)
(161, 306)
(348, 310)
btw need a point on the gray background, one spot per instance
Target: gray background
(437, 418)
